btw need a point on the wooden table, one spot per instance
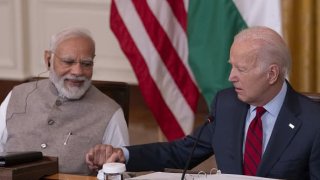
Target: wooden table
(31, 171)
(61, 176)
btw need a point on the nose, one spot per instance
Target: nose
(232, 75)
(76, 69)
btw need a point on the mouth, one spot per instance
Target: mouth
(74, 82)
(238, 90)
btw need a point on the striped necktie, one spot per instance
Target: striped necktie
(253, 144)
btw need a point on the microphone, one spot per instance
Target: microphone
(209, 120)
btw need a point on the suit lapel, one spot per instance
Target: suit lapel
(285, 128)
(239, 118)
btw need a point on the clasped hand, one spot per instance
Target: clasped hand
(103, 153)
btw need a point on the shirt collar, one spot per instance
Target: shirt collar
(273, 107)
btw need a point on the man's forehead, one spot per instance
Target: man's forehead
(245, 59)
(70, 46)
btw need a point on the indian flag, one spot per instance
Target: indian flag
(179, 49)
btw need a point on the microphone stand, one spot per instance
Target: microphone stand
(210, 119)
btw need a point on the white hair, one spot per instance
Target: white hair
(67, 33)
(270, 44)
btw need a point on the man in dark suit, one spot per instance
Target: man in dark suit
(261, 126)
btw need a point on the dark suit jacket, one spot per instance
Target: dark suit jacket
(290, 153)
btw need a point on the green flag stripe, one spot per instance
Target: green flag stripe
(212, 25)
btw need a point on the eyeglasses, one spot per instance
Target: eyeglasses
(69, 62)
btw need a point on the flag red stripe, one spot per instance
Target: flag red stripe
(179, 11)
(168, 53)
(149, 90)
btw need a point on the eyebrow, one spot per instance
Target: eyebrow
(74, 58)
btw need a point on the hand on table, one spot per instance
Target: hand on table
(103, 153)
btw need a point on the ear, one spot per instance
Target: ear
(273, 73)
(47, 57)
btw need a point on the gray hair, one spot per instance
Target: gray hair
(270, 44)
(67, 33)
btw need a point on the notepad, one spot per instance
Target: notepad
(14, 158)
(177, 176)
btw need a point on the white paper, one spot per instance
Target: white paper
(177, 176)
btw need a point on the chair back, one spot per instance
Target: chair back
(119, 91)
(6, 86)
(313, 96)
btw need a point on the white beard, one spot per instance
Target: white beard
(69, 92)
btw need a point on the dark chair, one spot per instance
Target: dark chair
(119, 91)
(6, 86)
(313, 96)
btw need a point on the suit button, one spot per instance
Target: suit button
(58, 103)
(51, 122)
(43, 145)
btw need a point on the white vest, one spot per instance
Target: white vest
(39, 120)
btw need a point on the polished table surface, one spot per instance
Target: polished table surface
(61, 176)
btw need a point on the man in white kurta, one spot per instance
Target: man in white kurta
(64, 115)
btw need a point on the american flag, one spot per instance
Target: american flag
(153, 36)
